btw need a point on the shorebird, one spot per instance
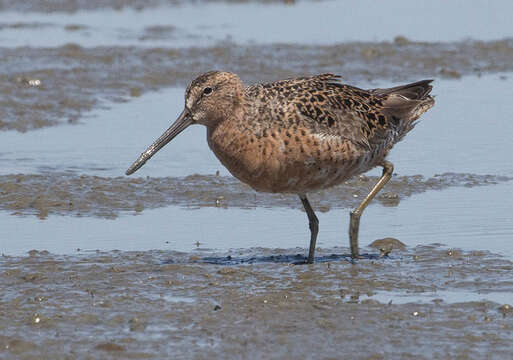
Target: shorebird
(299, 135)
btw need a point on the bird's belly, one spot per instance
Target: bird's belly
(300, 178)
(271, 164)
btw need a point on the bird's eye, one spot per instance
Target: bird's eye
(207, 91)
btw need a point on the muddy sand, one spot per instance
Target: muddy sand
(157, 304)
(83, 195)
(49, 86)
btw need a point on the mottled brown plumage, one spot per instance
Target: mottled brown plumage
(299, 135)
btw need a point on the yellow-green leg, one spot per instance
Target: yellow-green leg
(354, 223)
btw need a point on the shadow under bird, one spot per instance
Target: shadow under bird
(301, 134)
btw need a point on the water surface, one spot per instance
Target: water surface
(307, 22)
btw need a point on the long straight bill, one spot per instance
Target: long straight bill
(183, 121)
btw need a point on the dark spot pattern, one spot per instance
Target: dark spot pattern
(372, 119)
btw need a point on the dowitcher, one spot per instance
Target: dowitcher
(299, 135)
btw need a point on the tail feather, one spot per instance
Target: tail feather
(414, 91)
(404, 104)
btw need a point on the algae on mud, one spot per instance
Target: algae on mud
(67, 6)
(76, 79)
(60, 193)
(161, 304)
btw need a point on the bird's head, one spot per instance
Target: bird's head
(209, 99)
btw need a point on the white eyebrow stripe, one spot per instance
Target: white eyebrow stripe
(189, 103)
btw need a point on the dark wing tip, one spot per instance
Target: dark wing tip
(418, 90)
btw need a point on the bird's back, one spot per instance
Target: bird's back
(329, 108)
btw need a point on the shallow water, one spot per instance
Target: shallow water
(306, 22)
(178, 262)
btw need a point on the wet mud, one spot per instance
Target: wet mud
(67, 6)
(42, 87)
(86, 195)
(161, 304)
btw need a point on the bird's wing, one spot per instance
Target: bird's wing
(323, 105)
(319, 103)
